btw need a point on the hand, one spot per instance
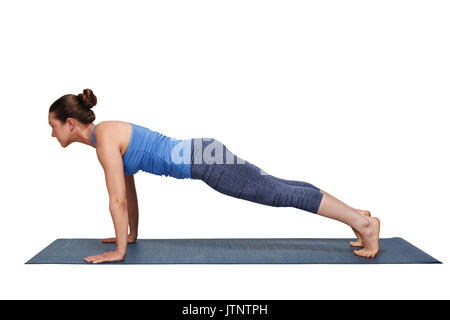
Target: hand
(112, 240)
(112, 256)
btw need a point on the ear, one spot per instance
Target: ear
(72, 123)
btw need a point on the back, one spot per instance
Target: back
(156, 153)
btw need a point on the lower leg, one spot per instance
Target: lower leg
(358, 242)
(368, 227)
(333, 208)
(293, 182)
(329, 195)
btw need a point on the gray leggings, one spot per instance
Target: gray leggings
(213, 163)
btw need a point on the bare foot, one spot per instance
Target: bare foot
(358, 242)
(370, 237)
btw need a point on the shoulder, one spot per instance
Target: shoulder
(113, 135)
(106, 125)
(109, 131)
(108, 143)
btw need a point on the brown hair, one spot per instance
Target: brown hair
(75, 106)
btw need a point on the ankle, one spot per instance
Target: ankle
(363, 225)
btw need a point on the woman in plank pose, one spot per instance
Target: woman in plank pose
(124, 148)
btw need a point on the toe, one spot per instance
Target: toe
(363, 253)
(356, 243)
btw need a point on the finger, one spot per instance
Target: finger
(100, 259)
(90, 258)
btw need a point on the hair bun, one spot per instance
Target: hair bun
(87, 98)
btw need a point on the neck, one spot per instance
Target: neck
(85, 136)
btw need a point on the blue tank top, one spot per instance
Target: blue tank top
(156, 153)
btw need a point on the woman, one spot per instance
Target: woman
(124, 148)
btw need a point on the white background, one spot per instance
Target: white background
(351, 96)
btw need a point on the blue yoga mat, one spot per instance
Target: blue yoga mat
(233, 251)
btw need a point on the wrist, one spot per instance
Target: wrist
(121, 253)
(122, 249)
(132, 236)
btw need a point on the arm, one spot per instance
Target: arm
(110, 158)
(133, 210)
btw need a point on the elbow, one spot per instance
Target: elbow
(118, 203)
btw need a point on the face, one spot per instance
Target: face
(59, 130)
